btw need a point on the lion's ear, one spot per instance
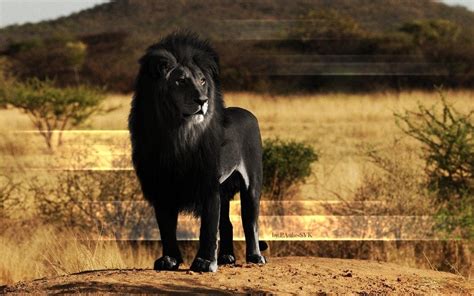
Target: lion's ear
(209, 62)
(158, 63)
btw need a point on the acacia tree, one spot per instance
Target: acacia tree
(53, 109)
(447, 138)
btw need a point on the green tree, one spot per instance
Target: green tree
(394, 43)
(55, 109)
(435, 31)
(75, 55)
(60, 57)
(445, 45)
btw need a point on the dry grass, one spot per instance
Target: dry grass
(40, 250)
(337, 125)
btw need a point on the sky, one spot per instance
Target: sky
(22, 11)
(468, 3)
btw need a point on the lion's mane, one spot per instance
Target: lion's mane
(176, 164)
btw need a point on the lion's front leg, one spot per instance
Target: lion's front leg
(167, 219)
(206, 258)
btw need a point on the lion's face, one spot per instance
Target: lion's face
(186, 86)
(189, 88)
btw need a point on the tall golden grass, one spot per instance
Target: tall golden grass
(45, 250)
(337, 125)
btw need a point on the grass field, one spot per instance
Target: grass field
(338, 126)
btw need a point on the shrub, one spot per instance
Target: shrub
(107, 201)
(396, 183)
(8, 196)
(393, 186)
(285, 164)
(447, 138)
(51, 108)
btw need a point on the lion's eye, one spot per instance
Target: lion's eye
(203, 81)
(179, 81)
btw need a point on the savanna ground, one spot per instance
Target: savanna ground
(285, 275)
(340, 127)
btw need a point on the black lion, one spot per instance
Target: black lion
(191, 154)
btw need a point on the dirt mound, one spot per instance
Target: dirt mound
(296, 275)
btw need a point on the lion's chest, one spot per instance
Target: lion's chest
(184, 180)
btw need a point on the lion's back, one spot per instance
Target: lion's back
(237, 118)
(241, 128)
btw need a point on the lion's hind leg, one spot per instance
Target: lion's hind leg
(249, 198)
(226, 246)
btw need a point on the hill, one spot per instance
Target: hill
(283, 275)
(214, 18)
(116, 34)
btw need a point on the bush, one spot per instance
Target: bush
(395, 183)
(393, 186)
(285, 164)
(55, 109)
(107, 201)
(447, 138)
(8, 197)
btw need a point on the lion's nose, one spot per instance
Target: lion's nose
(202, 99)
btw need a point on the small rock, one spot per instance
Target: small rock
(347, 273)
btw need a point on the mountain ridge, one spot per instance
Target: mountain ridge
(118, 32)
(163, 15)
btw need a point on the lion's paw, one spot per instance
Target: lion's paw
(200, 264)
(166, 263)
(256, 258)
(226, 259)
